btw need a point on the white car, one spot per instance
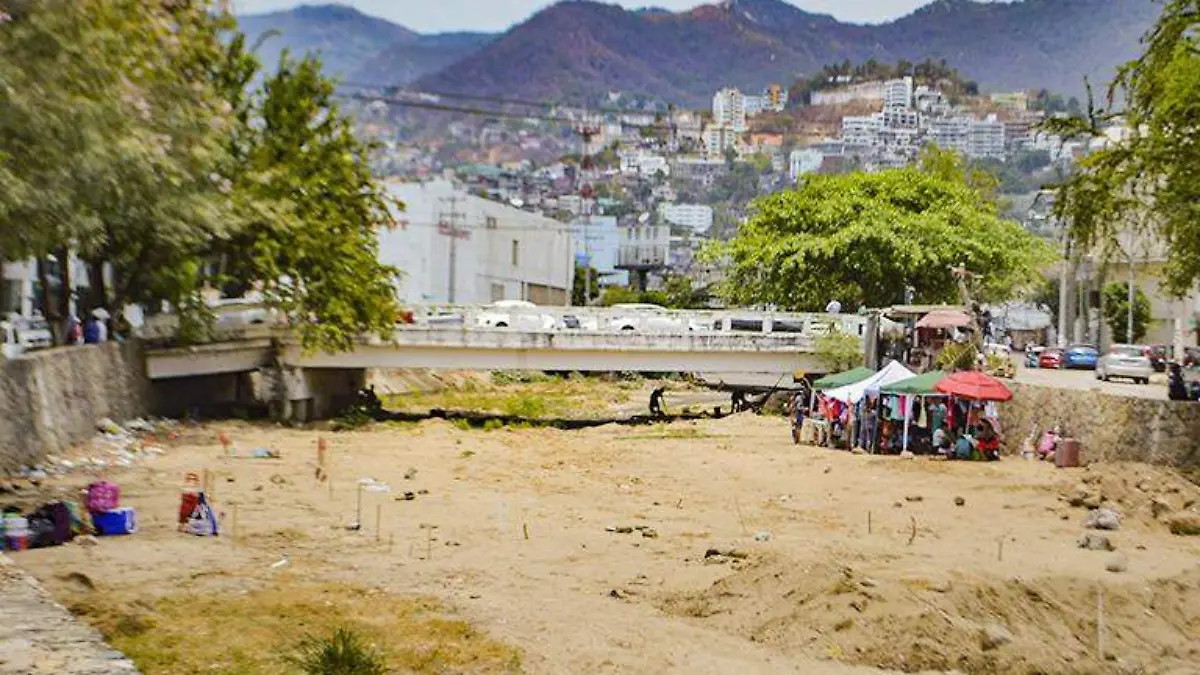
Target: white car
(24, 335)
(649, 319)
(519, 314)
(1131, 362)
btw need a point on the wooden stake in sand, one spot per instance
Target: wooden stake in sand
(525, 529)
(358, 510)
(868, 522)
(913, 535)
(378, 521)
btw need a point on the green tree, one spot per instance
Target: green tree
(1114, 298)
(839, 351)
(682, 294)
(864, 238)
(587, 286)
(313, 246)
(1147, 182)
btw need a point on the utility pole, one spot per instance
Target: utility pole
(586, 193)
(448, 225)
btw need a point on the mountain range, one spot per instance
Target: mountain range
(579, 50)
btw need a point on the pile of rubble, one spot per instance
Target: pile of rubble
(1152, 495)
(114, 446)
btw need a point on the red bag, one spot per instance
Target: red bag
(103, 496)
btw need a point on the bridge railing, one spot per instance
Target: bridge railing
(644, 320)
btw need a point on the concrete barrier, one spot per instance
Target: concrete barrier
(1108, 427)
(50, 400)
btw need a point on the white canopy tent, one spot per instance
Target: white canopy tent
(853, 393)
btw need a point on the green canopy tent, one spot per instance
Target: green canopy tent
(842, 379)
(921, 385)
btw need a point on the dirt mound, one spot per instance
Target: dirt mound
(1140, 493)
(969, 624)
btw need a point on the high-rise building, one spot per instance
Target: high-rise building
(729, 110)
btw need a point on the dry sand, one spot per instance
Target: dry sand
(522, 549)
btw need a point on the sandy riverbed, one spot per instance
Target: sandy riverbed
(513, 536)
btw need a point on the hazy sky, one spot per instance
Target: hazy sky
(495, 15)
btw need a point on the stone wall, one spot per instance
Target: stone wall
(1108, 427)
(51, 400)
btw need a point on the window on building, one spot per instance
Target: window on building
(516, 253)
(490, 223)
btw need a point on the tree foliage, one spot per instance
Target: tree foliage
(839, 351)
(130, 135)
(1114, 298)
(1147, 183)
(863, 238)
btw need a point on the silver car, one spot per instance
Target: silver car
(1131, 362)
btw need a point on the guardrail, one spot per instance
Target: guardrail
(246, 323)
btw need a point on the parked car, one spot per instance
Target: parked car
(1032, 356)
(649, 318)
(1126, 361)
(1159, 356)
(1083, 357)
(1051, 358)
(20, 335)
(514, 314)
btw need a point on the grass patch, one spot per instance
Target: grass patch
(259, 631)
(527, 397)
(667, 433)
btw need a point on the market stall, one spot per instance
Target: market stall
(980, 392)
(922, 388)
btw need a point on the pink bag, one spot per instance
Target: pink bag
(103, 496)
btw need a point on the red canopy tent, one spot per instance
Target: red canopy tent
(945, 318)
(975, 386)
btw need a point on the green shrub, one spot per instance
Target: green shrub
(342, 653)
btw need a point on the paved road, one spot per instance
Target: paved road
(1086, 380)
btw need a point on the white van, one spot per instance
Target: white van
(18, 336)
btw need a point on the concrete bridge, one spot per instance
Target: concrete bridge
(267, 363)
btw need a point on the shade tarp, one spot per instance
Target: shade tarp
(844, 378)
(852, 393)
(921, 385)
(945, 318)
(975, 386)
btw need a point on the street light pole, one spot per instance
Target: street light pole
(1129, 317)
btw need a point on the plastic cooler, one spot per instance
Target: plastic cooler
(115, 521)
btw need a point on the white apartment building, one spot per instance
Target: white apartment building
(455, 247)
(643, 246)
(931, 101)
(756, 105)
(898, 93)
(951, 133)
(719, 138)
(986, 139)
(729, 110)
(644, 164)
(804, 161)
(697, 217)
(862, 131)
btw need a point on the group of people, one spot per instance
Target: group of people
(954, 429)
(92, 331)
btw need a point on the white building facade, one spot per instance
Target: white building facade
(596, 240)
(729, 110)
(696, 217)
(457, 248)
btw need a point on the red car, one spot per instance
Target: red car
(1051, 358)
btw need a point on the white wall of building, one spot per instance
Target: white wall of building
(729, 109)
(643, 245)
(697, 217)
(804, 161)
(500, 252)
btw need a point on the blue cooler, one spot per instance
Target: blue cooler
(116, 521)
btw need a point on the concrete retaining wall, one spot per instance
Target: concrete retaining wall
(1110, 428)
(51, 400)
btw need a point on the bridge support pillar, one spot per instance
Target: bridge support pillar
(307, 394)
